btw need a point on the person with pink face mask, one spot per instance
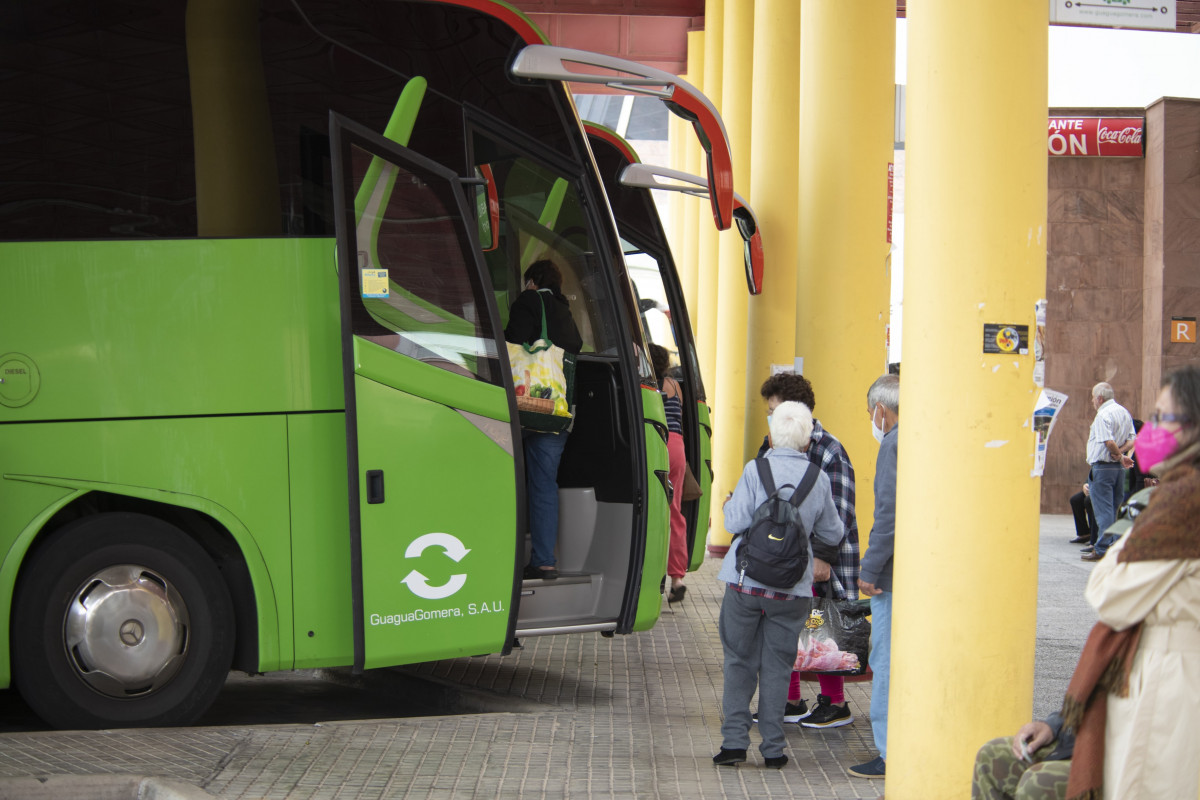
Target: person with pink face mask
(1136, 736)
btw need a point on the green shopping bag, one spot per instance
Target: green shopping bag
(544, 378)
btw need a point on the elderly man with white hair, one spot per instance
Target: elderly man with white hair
(759, 624)
(1109, 438)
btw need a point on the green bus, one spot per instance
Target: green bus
(255, 409)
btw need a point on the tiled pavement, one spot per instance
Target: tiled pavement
(631, 716)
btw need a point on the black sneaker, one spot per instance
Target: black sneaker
(875, 768)
(792, 712)
(727, 757)
(827, 715)
(777, 762)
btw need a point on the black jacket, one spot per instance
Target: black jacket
(525, 320)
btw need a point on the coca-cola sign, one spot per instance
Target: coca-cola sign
(1112, 137)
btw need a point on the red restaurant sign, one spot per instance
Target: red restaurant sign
(1119, 137)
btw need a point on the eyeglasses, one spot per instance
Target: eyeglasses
(1158, 418)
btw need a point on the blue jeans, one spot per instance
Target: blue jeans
(758, 637)
(543, 452)
(881, 667)
(1107, 490)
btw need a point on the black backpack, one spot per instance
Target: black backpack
(774, 549)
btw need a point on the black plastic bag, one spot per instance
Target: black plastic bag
(836, 637)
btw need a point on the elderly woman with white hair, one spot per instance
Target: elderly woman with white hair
(759, 624)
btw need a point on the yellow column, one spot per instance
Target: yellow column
(729, 448)
(687, 258)
(964, 613)
(774, 173)
(237, 182)
(847, 97)
(706, 256)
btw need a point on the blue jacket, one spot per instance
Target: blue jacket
(876, 566)
(817, 511)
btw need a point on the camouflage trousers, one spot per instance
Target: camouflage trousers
(1000, 775)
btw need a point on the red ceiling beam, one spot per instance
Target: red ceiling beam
(651, 8)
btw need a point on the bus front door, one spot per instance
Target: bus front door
(430, 433)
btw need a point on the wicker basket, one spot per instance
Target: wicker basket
(536, 404)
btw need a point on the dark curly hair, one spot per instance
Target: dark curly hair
(545, 275)
(660, 359)
(790, 386)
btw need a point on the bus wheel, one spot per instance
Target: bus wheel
(121, 620)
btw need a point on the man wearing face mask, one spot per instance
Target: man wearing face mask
(1111, 435)
(875, 573)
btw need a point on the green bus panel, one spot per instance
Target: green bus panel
(233, 469)
(321, 589)
(24, 508)
(658, 514)
(705, 477)
(173, 328)
(439, 553)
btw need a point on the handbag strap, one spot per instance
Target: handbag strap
(545, 329)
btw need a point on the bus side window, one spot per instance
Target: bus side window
(420, 296)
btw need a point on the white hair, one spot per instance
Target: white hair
(791, 426)
(1102, 390)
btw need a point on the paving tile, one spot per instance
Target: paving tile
(631, 716)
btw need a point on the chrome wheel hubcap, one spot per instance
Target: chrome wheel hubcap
(126, 631)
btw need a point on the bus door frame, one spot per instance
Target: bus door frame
(343, 133)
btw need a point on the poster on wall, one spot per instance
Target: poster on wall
(1045, 413)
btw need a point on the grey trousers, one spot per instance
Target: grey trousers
(759, 638)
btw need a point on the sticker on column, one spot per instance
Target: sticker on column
(1005, 338)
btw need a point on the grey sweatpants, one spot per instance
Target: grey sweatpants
(759, 638)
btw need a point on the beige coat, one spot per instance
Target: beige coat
(1152, 740)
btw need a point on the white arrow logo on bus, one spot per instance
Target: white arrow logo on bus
(417, 583)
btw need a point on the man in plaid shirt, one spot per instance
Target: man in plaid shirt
(827, 452)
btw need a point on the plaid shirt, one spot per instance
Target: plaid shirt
(828, 453)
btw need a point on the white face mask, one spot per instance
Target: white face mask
(876, 431)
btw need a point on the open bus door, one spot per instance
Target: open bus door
(665, 315)
(429, 411)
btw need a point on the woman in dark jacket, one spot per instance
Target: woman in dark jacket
(543, 451)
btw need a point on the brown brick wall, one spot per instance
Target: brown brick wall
(1123, 256)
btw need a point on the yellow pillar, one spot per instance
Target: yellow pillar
(237, 182)
(774, 173)
(964, 611)
(847, 99)
(729, 414)
(687, 258)
(706, 256)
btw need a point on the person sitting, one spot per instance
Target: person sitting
(1132, 700)
(1032, 765)
(1085, 518)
